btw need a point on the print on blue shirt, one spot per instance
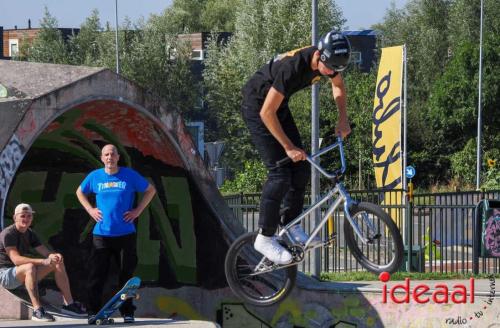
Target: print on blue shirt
(115, 195)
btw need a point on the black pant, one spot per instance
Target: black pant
(286, 183)
(123, 249)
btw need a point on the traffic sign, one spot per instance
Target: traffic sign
(410, 172)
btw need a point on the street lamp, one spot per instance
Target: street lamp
(116, 39)
(315, 216)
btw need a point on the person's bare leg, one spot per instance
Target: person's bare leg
(27, 274)
(61, 278)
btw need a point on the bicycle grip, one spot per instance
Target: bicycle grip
(283, 162)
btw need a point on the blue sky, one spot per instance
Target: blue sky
(72, 13)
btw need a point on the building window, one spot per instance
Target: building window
(197, 54)
(356, 57)
(13, 47)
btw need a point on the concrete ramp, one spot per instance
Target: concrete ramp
(54, 120)
(13, 307)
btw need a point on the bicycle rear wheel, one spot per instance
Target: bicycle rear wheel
(384, 249)
(251, 279)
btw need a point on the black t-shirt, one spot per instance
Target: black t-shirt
(287, 73)
(11, 237)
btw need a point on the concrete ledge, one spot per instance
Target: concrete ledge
(13, 307)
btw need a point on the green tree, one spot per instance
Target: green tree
(167, 70)
(49, 45)
(452, 109)
(184, 16)
(220, 15)
(84, 47)
(250, 179)
(192, 16)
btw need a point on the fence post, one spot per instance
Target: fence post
(409, 233)
(476, 240)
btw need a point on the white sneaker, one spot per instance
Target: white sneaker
(270, 248)
(300, 237)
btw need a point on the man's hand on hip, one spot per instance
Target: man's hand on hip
(131, 215)
(95, 213)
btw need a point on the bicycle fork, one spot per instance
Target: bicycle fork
(347, 205)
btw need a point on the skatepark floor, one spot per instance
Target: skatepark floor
(139, 322)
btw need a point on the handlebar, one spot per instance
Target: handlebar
(312, 157)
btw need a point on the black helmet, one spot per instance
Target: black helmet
(335, 51)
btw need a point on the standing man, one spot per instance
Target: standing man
(114, 235)
(17, 269)
(274, 133)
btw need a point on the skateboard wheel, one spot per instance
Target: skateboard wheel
(98, 322)
(123, 297)
(111, 321)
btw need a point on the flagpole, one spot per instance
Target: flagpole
(479, 123)
(405, 125)
(405, 144)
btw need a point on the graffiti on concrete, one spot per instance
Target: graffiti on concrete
(27, 126)
(492, 234)
(236, 315)
(173, 306)
(170, 231)
(10, 157)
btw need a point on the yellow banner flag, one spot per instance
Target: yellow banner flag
(386, 130)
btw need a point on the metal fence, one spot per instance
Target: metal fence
(439, 230)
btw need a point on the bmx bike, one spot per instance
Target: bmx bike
(370, 234)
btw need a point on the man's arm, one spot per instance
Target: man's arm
(95, 213)
(18, 259)
(146, 199)
(268, 115)
(53, 257)
(339, 95)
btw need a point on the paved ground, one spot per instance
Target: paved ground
(140, 322)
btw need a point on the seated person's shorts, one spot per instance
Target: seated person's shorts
(8, 278)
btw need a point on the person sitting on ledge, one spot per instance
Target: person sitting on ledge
(17, 269)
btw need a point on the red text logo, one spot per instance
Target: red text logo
(402, 293)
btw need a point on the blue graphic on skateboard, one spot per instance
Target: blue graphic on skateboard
(128, 291)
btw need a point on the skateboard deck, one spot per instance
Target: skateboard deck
(129, 290)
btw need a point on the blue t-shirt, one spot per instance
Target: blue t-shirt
(115, 195)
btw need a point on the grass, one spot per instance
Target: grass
(367, 276)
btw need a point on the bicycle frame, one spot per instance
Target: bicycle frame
(339, 189)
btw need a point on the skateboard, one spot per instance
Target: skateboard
(129, 290)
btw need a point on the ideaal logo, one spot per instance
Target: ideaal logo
(440, 295)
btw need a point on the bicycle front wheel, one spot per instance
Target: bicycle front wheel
(252, 278)
(384, 249)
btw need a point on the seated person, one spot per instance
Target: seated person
(17, 269)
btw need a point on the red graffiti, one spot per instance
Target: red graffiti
(131, 127)
(27, 126)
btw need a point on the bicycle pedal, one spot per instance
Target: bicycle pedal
(330, 241)
(371, 240)
(268, 262)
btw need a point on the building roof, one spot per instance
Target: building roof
(371, 33)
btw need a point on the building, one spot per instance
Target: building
(363, 48)
(199, 44)
(12, 39)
